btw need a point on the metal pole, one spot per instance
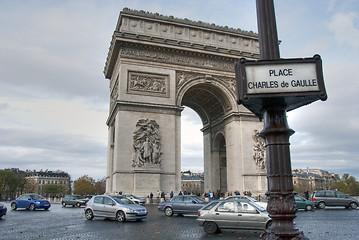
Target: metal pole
(281, 205)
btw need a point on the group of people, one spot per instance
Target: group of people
(211, 195)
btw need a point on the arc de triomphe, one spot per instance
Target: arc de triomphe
(157, 65)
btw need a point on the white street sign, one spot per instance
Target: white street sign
(281, 78)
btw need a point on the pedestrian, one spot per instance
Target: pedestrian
(306, 193)
(180, 193)
(151, 197)
(171, 194)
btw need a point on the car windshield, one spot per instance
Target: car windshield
(257, 206)
(252, 199)
(37, 197)
(123, 200)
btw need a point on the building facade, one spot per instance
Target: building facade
(41, 179)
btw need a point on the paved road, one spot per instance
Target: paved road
(70, 223)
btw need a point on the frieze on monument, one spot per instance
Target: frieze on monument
(176, 58)
(259, 151)
(146, 144)
(148, 84)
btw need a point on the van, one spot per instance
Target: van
(323, 198)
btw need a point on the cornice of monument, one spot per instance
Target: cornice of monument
(153, 29)
(186, 21)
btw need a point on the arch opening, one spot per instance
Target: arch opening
(211, 105)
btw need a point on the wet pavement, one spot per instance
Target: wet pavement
(70, 223)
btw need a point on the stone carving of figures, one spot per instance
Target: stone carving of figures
(146, 143)
(259, 150)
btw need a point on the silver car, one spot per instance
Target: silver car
(232, 214)
(116, 207)
(135, 199)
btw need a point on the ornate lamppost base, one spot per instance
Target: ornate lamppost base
(268, 235)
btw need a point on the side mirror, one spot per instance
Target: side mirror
(29, 199)
(193, 201)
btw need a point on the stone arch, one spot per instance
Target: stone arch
(203, 93)
(154, 72)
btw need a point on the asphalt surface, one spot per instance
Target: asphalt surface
(70, 223)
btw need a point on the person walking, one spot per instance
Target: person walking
(151, 197)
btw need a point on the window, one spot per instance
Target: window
(226, 207)
(177, 199)
(107, 201)
(341, 195)
(24, 197)
(98, 200)
(246, 208)
(330, 194)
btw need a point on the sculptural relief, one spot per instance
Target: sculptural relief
(259, 150)
(146, 144)
(148, 83)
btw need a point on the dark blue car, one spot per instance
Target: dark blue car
(31, 202)
(3, 210)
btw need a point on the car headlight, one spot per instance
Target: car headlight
(37, 202)
(129, 210)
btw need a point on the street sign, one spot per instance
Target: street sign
(288, 82)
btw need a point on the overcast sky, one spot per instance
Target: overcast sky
(54, 98)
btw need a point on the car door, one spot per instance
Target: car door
(249, 217)
(226, 214)
(190, 204)
(299, 201)
(330, 198)
(341, 199)
(109, 207)
(177, 204)
(98, 207)
(24, 202)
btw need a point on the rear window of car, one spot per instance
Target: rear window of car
(177, 199)
(320, 194)
(98, 200)
(209, 206)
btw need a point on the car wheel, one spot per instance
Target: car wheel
(168, 211)
(64, 204)
(353, 205)
(78, 204)
(321, 205)
(120, 216)
(89, 214)
(13, 206)
(269, 224)
(210, 227)
(32, 207)
(46, 208)
(308, 208)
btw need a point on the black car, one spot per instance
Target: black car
(74, 200)
(3, 210)
(335, 198)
